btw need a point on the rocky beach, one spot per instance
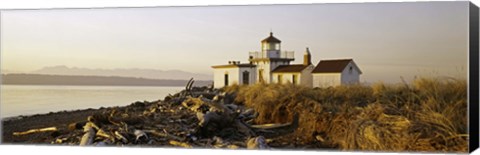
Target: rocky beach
(197, 117)
(425, 116)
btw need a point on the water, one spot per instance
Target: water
(18, 100)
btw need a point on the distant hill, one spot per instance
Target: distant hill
(6, 71)
(133, 72)
(38, 79)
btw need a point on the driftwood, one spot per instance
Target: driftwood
(248, 115)
(257, 143)
(188, 88)
(140, 135)
(220, 143)
(35, 131)
(89, 134)
(277, 126)
(215, 106)
(102, 133)
(244, 129)
(193, 117)
(76, 125)
(119, 136)
(270, 126)
(210, 117)
(182, 144)
(164, 134)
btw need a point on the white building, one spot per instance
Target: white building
(269, 58)
(260, 66)
(271, 65)
(336, 72)
(299, 74)
(233, 73)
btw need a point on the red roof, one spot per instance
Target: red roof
(271, 39)
(331, 66)
(289, 68)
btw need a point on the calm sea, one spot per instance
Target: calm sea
(18, 100)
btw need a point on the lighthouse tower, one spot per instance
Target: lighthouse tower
(269, 58)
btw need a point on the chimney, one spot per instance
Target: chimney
(307, 58)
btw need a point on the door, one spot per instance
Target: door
(246, 77)
(294, 79)
(226, 80)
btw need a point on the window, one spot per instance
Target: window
(246, 77)
(279, 77)
(294, 79)
(350, 70)
(226, 79)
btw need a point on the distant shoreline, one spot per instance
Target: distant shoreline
(74, 80)
(87, 85)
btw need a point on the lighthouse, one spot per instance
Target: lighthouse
(269, 58)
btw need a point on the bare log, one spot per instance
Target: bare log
(270, 126)
(257, 143)
(76, 125)
(89, 135)
(188, 88)
(181, 144)
(277, 126)
(121, 137)
(164, 134)
(244, 129)
(35, 131)
(208, 117)
(248, 114)
(215, 106)
(233, 146)
(140, 135)
(102, 133)
(194, 104)
(190, 85)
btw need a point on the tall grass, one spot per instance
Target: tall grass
(425, 115)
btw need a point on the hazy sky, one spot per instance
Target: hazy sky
(386, 40)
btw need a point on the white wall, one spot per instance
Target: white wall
(219, 76)
(235, 76)
(335, 79)
(265, 65)
(303, 78)
(286, 77)
(252, 75)
(326, 79)
(273, 65)
(350, 77)
(306, 78)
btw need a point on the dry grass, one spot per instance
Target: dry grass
(427, 115)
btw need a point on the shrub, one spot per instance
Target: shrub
(427, 115)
